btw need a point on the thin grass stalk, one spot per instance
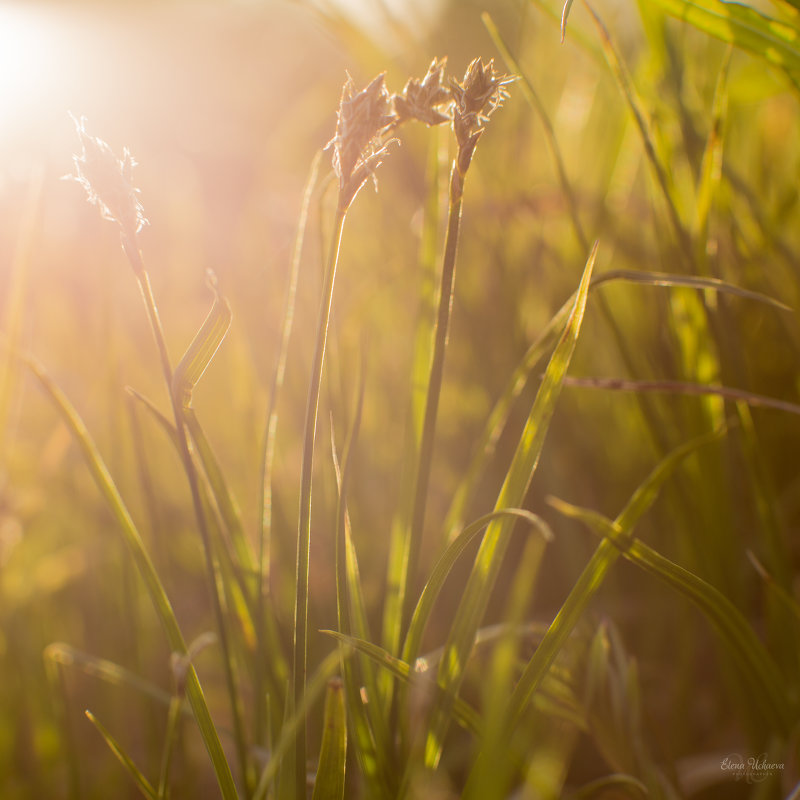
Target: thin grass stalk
(170, 740)
(263, 633)
(474, 100)
(134, 256)
(422, 478)
(300, 660)
(486, 566)
(147, 571)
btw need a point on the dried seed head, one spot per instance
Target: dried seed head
(421, 99)
(108, 181)
(363, 121)
(475, 99)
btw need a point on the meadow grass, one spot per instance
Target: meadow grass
(415, 610)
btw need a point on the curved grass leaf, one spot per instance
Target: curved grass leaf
(573, 607)
(445, 564)
(495, 541)
(755, 662)
(775, 41)
(329, 783)
(205, 344)
(152, 582)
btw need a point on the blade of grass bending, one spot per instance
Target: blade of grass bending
(500, 413)
(775, 41)
(487, 562)
(204, 346)
(127, 762)
(146, 569)
(316, 686)
(191, 369)
(329, 783)
(571, 610)
(763, 675)
(369, 723)
(445, 564)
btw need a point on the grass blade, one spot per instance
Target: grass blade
(775, 41)
(445, 564)
(573, 607)
(135, 773)
(756, 664)
(489, 557)
(146, 569)
(316, 686)
(329, 784)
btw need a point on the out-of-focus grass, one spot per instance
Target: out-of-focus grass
(224, 107)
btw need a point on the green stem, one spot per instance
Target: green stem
(441, 330)
(191, 474)
(304, 521)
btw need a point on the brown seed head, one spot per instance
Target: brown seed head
(364, 118)
(421, 99)
(475, 99)
(108, 181)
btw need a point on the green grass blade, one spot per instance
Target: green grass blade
(127, 762)
(370, 727)
(152, 582)
(764, 677)
(283, 746)
(573, 607)
(445, 564)
(775, 41)
(485, 447)
(329, 783)
(489, 557)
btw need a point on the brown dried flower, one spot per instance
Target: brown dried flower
(363, 121)
(108, 181)
(481, 92)
(421, 99)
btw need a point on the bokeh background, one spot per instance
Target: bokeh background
(224, 105)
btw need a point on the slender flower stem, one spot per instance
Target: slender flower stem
(143, 278)
(422, 477)
(304, 520)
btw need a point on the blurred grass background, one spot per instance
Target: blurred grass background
(224, 105)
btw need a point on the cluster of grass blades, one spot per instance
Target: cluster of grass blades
(393, 715)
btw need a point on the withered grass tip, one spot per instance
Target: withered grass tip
(364, 121)
(108, 181)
